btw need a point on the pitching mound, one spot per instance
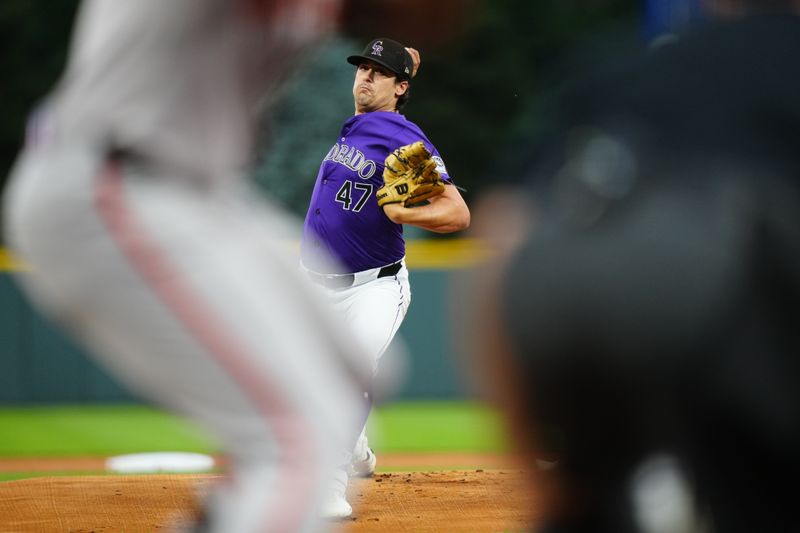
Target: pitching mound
(453, 501)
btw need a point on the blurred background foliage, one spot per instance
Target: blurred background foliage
(474, 94)
(33, 46)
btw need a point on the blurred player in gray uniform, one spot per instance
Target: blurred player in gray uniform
(143, 240)
(369, 284)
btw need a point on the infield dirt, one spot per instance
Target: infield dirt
(475, 500)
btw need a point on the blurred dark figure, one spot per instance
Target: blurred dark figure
(643, 329)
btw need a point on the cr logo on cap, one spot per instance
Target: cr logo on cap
(377, 48)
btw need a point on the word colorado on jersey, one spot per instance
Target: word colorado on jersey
(353, 159)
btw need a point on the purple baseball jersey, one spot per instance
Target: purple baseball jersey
(344, 220)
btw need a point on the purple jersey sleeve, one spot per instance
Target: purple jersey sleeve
(344, 220)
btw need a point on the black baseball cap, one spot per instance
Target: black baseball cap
(387, 53)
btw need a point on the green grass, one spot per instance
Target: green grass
(117, 429)
(436, 427)
(94, 431)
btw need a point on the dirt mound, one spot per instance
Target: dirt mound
(453, 501)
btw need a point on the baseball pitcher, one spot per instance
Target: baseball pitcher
(381, 172)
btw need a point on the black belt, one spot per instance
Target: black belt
(342, 281)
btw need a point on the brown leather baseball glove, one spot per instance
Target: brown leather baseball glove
(409, 176)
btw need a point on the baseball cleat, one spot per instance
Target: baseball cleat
(364, 467)
(336, 507)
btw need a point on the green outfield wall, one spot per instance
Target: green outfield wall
(40, 364)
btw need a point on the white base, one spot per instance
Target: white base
(140, 463)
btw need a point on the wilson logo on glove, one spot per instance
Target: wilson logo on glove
(409, 176)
